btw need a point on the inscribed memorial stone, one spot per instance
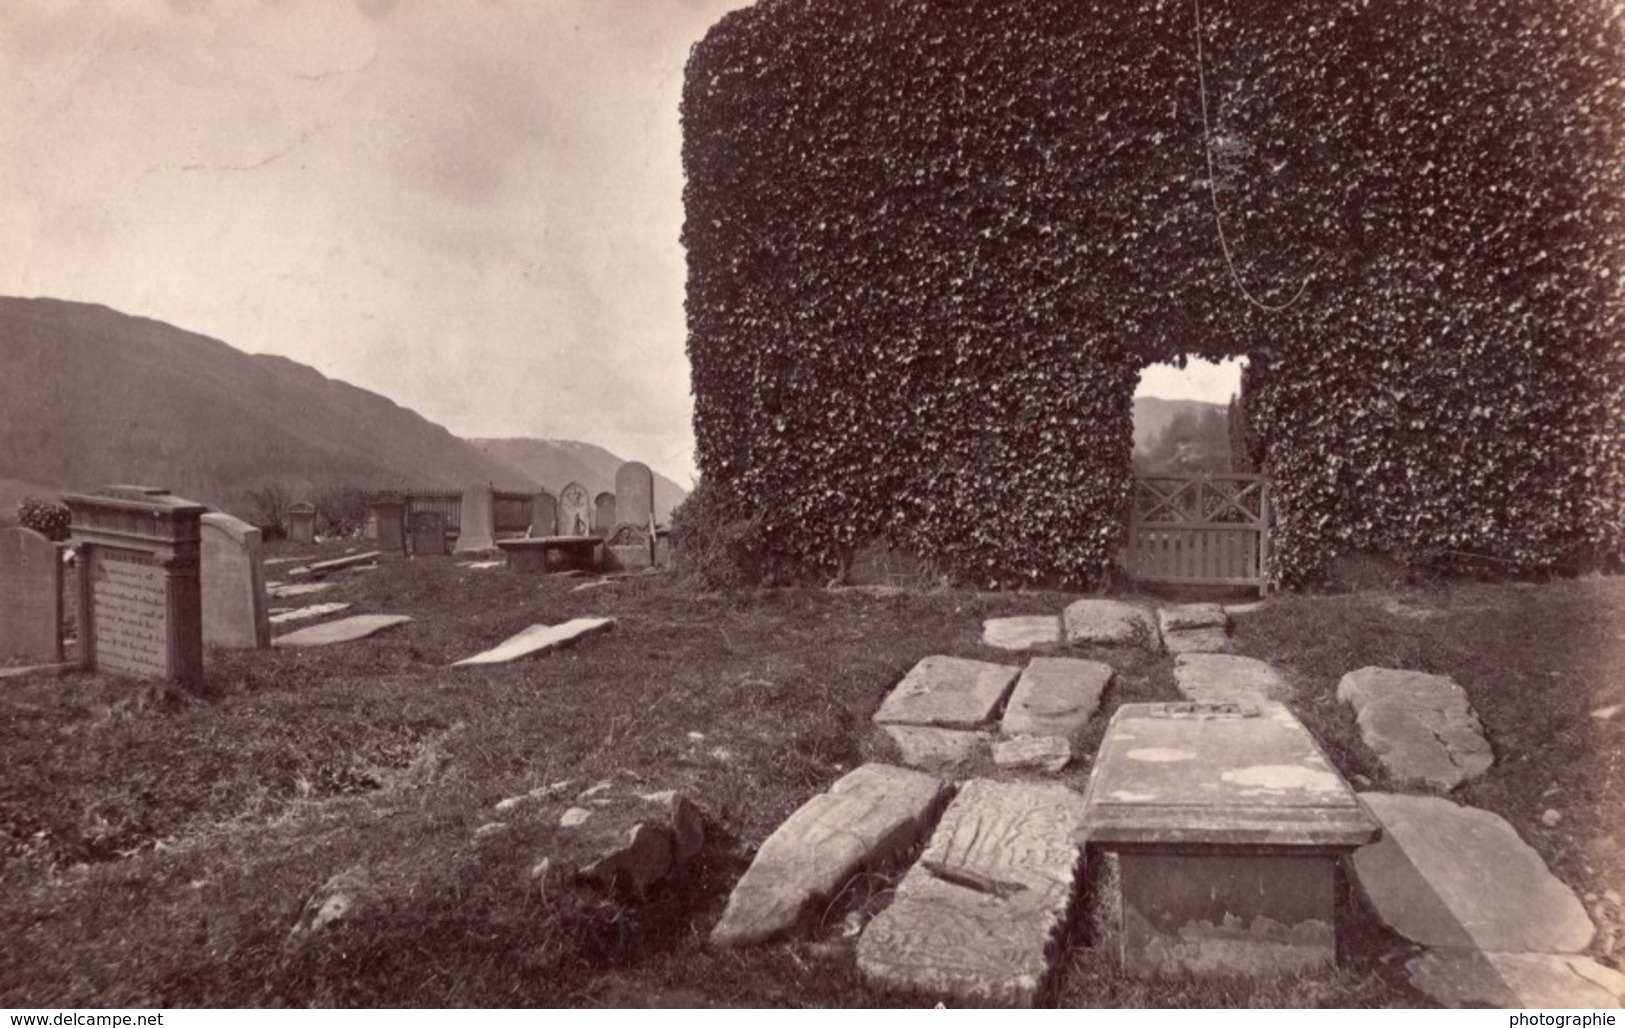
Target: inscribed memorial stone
(233, 583)
(302, 523)
(603, 514)
(575, 510)
(389, 512)
(428, 534)
(477, 531)
(30, 596)
(635, 493)
(544, 515)
(140, 597)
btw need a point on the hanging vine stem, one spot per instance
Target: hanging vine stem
(1213, 190)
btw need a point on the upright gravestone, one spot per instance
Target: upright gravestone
(476, 532)
(389, 514)
(233, 584)
(30, 596)
(140, 599)
(635, 494)
(428, 534)
(544, 515)
(302, 523)
(575, 510)
(603, 514)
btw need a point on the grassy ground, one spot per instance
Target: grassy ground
(159, 850)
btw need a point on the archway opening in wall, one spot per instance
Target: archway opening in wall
(1188, 420)
(1198, 514)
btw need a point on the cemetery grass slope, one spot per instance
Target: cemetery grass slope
(159, 851)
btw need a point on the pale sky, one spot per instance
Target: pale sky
(469, 206)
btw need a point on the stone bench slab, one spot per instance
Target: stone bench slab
(1458, 877)
(1056, 696)
(539, 639)
(344, 630)
(948, 692)
(978, 918)
(867, 818)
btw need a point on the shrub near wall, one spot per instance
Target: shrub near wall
(931, 244)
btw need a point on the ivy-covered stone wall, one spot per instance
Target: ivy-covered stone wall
(931, 244)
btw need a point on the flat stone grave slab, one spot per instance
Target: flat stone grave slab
(1055, 696)
(1420, 726)
(340, 563)
(978, 918)
(482, 565)
(1226, 678)
(1186, 617)
(1469, 978)
(283, 592)
(1197, 640)
(1227, 823)
(1111, 623)
(948, 692)
(1022, 633)
(935, 748)
(316, 610)
(344, 630)
(1452, 876)
(869, 817)
(539, 639)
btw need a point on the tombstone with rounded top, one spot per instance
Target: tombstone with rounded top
(30, 596)
(544, 514)
(603, 514)
(575, 510)
(635, 494)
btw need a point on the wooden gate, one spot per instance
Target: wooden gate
(1200, 530)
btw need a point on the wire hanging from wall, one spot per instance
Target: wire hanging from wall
(1213, 191)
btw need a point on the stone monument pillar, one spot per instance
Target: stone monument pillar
(140, 595)
(476, 532)
(302, 523)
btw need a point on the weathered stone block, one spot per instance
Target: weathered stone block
(978, 919)
(1022, 633)
(1111, 623)
(1225, 678)
(1041, 752)
(948, 692)
(869, 817)
(1419, 725)
(1056, 696)
(935, 748)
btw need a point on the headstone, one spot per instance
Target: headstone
(544, 514)
(389, 514)
(948, 692)
(575, 510)
(30, 596)
(1454, 876)
(539, 639)
(233, 583)
(630, 547)
(1228, 824)
(140, 598)
(635, 494)
(1110, 623)
(1022, 633)
(302, 523)
(979, 917)
(603, 514)
(476, 531)
(1420, 726)
(866, 819)
(428, 534)
(343, 630)
(1056, 696)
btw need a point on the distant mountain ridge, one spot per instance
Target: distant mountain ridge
(91, 397)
